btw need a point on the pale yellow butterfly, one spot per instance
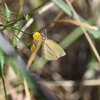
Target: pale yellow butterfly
(51, 50)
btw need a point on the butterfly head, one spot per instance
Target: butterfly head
(44, 35)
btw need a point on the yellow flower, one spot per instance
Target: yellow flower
(26, 17)
(31, 47)
(36, 36)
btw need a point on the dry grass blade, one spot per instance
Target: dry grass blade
(25, 27)
(55, 19)
(75, 22)
(28, 97)
(31, 59)
(94, 82)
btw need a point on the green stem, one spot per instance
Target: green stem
(31, 12)
(20, 39)
(20, 30)
(2, 76)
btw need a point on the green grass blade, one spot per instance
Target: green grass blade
(1, 58)
(7, 13)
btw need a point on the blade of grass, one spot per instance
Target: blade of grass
(28, 97)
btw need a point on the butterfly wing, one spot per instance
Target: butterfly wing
(52, 51)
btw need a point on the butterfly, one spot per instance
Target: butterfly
(50, 49)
